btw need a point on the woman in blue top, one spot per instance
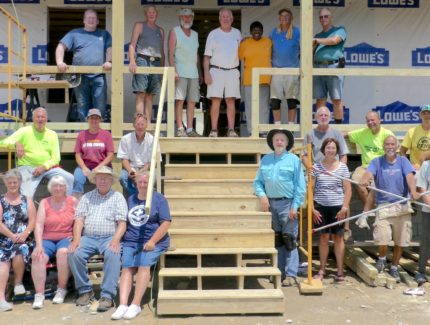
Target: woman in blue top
(144, 241)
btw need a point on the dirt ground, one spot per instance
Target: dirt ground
(350, 302)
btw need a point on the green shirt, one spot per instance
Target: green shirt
(41, 148)
(371, 145)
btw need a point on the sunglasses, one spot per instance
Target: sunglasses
(324, 16)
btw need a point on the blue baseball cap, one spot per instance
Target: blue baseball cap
(425, 108)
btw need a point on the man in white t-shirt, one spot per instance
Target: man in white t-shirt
(135, 149)
(221, 63)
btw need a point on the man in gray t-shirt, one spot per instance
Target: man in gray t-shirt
(91, 47)
(319, 134)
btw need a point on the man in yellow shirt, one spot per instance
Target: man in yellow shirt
(417, 139)
(38, 153)
(256, 51)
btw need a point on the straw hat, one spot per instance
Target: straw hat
(102, 170)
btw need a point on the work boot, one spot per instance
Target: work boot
(85, 298)
(104, 304)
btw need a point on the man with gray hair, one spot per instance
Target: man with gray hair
(38, 153)
(183, 56)
(221, 69)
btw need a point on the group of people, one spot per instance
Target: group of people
(72, 226)
(386, 182)
(223, 52)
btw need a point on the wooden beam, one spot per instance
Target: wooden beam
(359, 262)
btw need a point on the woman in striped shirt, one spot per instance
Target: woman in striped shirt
(332, 194)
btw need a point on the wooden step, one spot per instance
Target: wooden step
(226, 219)
(221, 251)
(212, 186)
(219, 271)
(246, 301)
(226, 238)
(214, 203)
(212, 171)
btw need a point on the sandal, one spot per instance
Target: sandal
(339, 278)
(320, 275)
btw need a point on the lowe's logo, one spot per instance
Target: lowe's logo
(421, 57)
(398, 112)
(243, 2)
(39, 54)
(167, 2)
(393, 3)
(325, 3)
(3, 54)
(126, 56)
(364, 54)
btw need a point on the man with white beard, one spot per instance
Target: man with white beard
(395, 174)
(183, 45)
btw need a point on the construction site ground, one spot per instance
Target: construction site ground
(349, 302)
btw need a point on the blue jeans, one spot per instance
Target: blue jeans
(91, 93)
(288, 262)
(79, 180)
(90, 246)
(126, 183)
(29, 182)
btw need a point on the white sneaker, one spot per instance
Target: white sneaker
(132, 312)
(5, 306)
(19, 290)
(39, 298)
(60, 294)
(119, 312)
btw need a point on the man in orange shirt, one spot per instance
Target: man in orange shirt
(256, 51)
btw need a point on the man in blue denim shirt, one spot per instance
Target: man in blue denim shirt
(280, 185)
(91, 47)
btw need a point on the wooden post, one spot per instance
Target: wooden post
(306, 63)
(255, 103)
(117, 85)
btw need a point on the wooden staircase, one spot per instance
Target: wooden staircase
(223, 251)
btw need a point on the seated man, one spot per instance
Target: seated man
(100, 223)
(135, 150)
(38, 153)
(394, 174)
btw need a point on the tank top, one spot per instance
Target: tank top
(186, 53)
(58, 223)
(149, 41)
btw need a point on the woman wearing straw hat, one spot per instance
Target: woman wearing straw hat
(280, 185)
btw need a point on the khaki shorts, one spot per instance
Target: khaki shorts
(398, 229)
(358, 174)
(284, 87)
(225, 83)
(188, 88)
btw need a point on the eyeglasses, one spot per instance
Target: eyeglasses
(324, 16)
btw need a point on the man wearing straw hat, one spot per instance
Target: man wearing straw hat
(280, 185)
(393, 174)
(100, 223)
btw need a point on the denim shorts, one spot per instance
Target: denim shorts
(146, 83)
(134, 256)
(325, 86)
(52, 246)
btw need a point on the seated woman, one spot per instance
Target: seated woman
(144, 241)
(331, 203)
(53, 233)
(17, 218)
(94, 148)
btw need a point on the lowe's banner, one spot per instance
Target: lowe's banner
(87, 2)
(3, 54)
(324, 3)
(421, 57)
(20, 1)
(39, 54)
(393, 3)
(168, 2)
(364, 54)
(243, 2)
(398, 113)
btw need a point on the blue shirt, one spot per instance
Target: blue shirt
(330, 52)
(281, 176)
(88, 48)
(141, 227)
(390, 177)
(285, 52)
